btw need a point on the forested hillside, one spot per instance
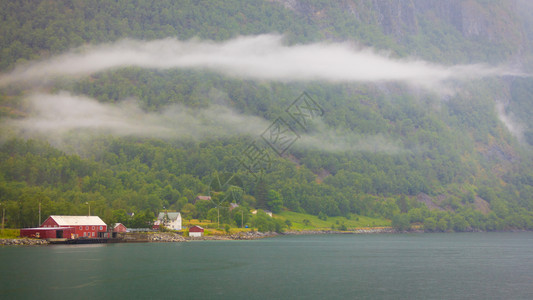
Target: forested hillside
(137, 138)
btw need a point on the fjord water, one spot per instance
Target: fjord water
(403, 266)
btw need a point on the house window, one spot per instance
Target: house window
(86, 227)
(93, 227)
(85, 234)
(81, 227)
(93, 233)
(101, 228)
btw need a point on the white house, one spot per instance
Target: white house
(171, 220)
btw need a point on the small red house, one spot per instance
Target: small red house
(84, 226)
(196, 231)
(119, 227)
(49, 233)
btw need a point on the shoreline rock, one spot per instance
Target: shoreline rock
(165, 237)
(23, 242)
(234, 237)
(357, 231)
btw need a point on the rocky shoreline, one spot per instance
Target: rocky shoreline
(252, 235)
(175, 237)
(236, 236)
(171, 237)
(357, 231)
(23, 242)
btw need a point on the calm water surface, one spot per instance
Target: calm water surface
(407, 266)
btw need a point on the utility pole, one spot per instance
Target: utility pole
(89, 208)
(3, 215)
(165, 218)
(39, 213)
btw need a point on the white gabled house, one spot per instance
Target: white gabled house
(171, 220)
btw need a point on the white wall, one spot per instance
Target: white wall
(176, 225)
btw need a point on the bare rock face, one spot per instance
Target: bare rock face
(428, 201)
(482, 205)
(397, 17)
(493, 21)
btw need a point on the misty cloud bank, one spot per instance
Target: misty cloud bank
(262, 57)
(62, 114)
(329, 141)
(64, 119)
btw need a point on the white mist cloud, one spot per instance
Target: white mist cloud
(514, 127)
(324, 138)
(57, 115)
(66, 120)
(262, 57)
(330, 141)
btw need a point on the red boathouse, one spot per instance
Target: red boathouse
(196, 231)
(84, 226)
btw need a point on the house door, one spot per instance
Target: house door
(59, 234)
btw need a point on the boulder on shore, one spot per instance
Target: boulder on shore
(23, 242)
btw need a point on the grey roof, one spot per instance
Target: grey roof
(172, 216)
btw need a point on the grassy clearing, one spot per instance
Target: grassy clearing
(211, 229)
(355, 221)
(9, 233)
(202, 223)
(297, 220)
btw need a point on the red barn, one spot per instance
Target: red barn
(49, 233)
(119, 227)
(196, 231)
(84, 226)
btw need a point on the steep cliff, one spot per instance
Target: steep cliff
(466, 29)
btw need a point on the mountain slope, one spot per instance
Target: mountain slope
(380, 148)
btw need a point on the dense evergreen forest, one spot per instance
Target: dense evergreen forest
(379, 149)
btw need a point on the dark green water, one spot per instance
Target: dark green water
(407, 266)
